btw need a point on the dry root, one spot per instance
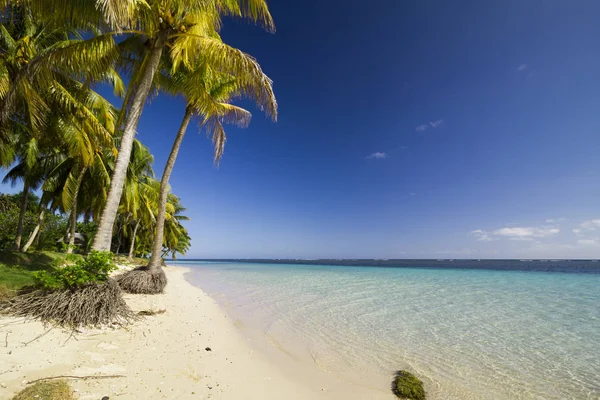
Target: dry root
(93, 305)
(142, 281)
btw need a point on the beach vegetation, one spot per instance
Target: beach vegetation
(95, 268)
(17, 269)
(407, 386)
(72, 294)
(88, 186)
(47, 390)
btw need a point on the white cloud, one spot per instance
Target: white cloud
(431, 124)
(403, 147)
(412, 193)
(515, 233)
(528, 232)
(482, 236)
(522, 67)
(591, 225)
(378, 156)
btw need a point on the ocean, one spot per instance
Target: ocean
(469, 331)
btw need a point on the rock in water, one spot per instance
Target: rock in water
(408, 386)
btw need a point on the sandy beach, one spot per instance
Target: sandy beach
(162, 356)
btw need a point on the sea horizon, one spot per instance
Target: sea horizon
(533, 265)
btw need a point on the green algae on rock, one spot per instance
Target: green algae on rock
(408, 386)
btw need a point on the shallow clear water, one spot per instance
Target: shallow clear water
(470, 334)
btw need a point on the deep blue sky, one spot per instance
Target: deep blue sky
(462, 129)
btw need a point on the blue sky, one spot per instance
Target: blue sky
(423, 129)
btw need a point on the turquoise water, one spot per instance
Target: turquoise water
(469, 334)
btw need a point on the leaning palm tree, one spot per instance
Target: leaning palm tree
(188, 29)
(208, 92)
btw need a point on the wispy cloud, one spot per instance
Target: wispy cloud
(526, 232)
(481, 235)
(377, 156)
(555, 220)
(590, 225)
(412, 194)
(430, 124)
(522, 67)
(515, 233)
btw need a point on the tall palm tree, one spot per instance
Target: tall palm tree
(188, 29)
(208, 93)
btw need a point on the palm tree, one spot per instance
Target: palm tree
(37, 61)
(31, 174)
(176, 238)
(208, 93)
(38, 84)
(188, 29)
(138, 192)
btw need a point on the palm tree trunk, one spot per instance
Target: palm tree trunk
(155, 260)
(66, 235)
(35, 231)
(22, 216)
(132, 245)
(74, 211)
(104, 235)
(119, 239)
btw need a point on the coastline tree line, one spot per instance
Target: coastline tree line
(88, 184)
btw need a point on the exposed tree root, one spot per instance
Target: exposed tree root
(92, 305)
(142, 281)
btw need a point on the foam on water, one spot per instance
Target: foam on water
(470, 334)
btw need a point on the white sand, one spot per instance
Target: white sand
(161, 356)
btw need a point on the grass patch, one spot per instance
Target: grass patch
(16, 268)
(55, 390)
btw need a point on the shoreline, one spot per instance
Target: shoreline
(162, 356)
(300, 366)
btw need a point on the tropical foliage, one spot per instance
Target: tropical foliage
(94, 183)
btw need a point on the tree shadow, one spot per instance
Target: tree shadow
(34, 261)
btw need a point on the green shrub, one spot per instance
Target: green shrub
(96, 267)
(408, 386)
